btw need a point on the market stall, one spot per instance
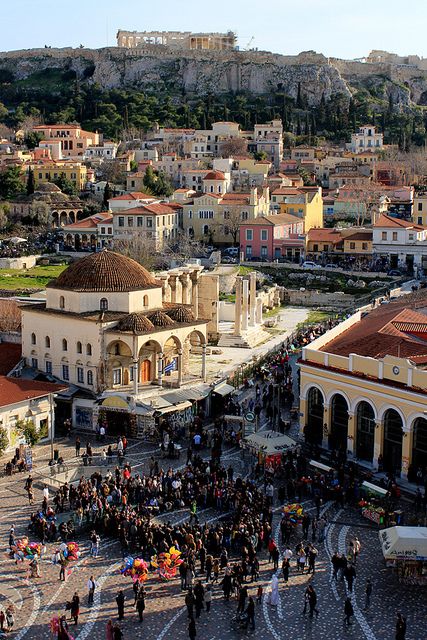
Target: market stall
(372, 502)
(405, 549)
(268, 446)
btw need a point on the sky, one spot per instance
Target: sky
(336, 28)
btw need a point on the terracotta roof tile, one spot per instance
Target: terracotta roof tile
(14, 390)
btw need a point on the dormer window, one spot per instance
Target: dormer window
(103, 304)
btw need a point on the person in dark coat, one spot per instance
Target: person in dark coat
(75, 607)
(199, 594)
(348, 611)
(286, 565)
(350, 575)
(140, 604)
(120, 599)
(189, 601)
(227, 585)
(250, 612)
(400, 627)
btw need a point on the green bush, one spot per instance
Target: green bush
(29, 431)
(4, 440)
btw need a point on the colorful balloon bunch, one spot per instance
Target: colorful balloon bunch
(136, 568)
(66, 552)
(25, 550)
(167, 563)
(294, 512)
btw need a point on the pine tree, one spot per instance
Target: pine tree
(299, 99)
(30, 182)
(298, 126)
(107, 196)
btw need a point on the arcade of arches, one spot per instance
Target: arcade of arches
(365, 433)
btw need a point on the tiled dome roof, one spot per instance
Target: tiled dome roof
(214, 175)
(181, 314)
(160, 319)
(105, 271)
(136, 323)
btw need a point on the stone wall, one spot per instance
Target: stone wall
(313, 298)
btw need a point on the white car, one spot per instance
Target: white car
(310, 265)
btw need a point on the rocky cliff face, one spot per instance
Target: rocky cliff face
(156, 68)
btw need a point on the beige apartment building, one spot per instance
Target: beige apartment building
(74, 140)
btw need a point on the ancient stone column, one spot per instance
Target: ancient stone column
(195, 293)
(204, 363)
(258, 315)
(185, 281)
(252, 299)
(179, 367)
(160, 369)
(245, 305)
(238, 307)
(172, 285)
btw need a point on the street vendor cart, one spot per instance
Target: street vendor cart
(405, 550)
(268, 447)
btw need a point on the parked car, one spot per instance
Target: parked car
(310, 265)
(331, 266)
(231, 251)
(394, 272)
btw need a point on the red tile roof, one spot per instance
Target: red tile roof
(215, 175)
(91, 222)
(135, 195)
(10, 355)
(15, 390)
(387, 221)
(149, 209)
(324, 235)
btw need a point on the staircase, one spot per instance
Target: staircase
(249, 339)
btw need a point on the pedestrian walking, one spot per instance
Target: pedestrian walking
(250, 612)
(117, 632)
(350, 575)
(75, 608)
(312, 601)
(208, 597)
(140, 604)
(2, 620)
(109, 631)
(10, 619)
(199, 594)
(120, 600)
(189, 602)
(78, 446)
(348, 611)
(286, 565)
(368, 593)
(400, 626)
(91, 586)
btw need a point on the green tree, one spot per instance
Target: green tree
(11, 183)
(65, 185)
(107, 195)
(28, 430)
(33, 139)
(4, 440)
(149, 179)
(30, 182)
(4, 112)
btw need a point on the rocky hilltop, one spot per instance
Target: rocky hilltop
(155, 67)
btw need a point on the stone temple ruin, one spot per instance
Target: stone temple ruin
(179, 40)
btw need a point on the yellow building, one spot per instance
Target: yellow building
(358, 242)
(304, 202)
(420, 208)
(50, 171)
(364, 387)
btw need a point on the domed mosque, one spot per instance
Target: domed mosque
(110, 329)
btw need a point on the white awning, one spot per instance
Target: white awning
(372, 488)
(320, 465)
(404, 543)
(176, 407)
(268, 442)
(223, 389)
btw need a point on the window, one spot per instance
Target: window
(117, 376)
(352, 245)
(65, 372)
(149, 222)
(420, 220)
(88, 349)
(64, 345)
(33, 338)
(315, 247)
(103, 304)
(264, 234)
(326, 248)
(264, 251)
(145, 301)
(420, 206)
(248, 250)
(384, 235)
(140, 221)
(249, 234)
(364, 246)
(190, 215)
(244, 215)
(394, 237)
(117, 349)
(34, 363)
(121, 221)
(90, 377)
(103, 231)
(80, 375)
(130, 221)
(61, 302)
(79, 347)
(411, 236)
(48, 367)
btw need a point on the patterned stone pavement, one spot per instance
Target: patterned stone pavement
(37, 600)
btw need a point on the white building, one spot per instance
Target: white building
(105, 151)
(366, 139)
(403, 243)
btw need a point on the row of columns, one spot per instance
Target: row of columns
(160, 364)
(182, 287)
(247, 308)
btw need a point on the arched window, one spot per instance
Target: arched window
(145, 301)
(117, 349)
(393, 441)
(339, 423)
(90, 377)
(64, 344)
(61, 302)
(79, 347)
(205, 230)
(88, 349)
(419, 447)
(33, 338)
(47, 342)
(365, 431)
(103, 304)
(314, 426)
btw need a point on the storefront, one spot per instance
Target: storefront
(405, 550)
